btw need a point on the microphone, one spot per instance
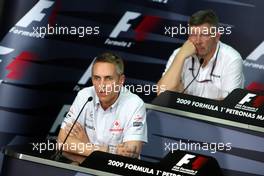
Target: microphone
(201, 63)
(58, 155)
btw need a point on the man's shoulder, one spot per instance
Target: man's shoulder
(85, 93)
(130, 98)
(175, 52)
(229, 52)
(171, 58)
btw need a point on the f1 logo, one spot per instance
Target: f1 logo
(247, 98)
(123, 24)
(35, 14)
(5, 50)
(196, 165)
(185, 159)
(257, 53)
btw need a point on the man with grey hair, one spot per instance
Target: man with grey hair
(114, 121)
(204, 66)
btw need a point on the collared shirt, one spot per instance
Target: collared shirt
(123, 121)
(226, 76)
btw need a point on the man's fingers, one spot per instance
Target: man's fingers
(120, 149)
(192, 45)
(67, 130)
(121, 145)
(187, 49)
(125, 150)
(68, 127)
(78, 127)
(73, 133)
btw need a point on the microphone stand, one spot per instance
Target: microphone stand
(201, 63)
(58, 154)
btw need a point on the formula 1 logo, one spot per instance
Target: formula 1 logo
(251, 102)
(190, 164)
(257, 53)
(5, 50)
(20, 65)
(35, 14)
(255, 59)
(139, 32)
(196, 164)
(185, 160)
(247, 98)
(123, 24)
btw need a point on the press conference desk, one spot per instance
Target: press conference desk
(230, 130)
(175, 119)
(18, 163)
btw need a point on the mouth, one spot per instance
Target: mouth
(103, 93)
(200, 50)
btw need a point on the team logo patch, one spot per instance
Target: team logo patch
(116, 127)
(137, 124)
(90, 127)
(138, 121)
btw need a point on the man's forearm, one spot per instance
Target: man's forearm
(130, 149)
(75, 146)
(172, 78)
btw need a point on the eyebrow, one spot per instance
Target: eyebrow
(107, 76)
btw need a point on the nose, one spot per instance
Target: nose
(102, 83)
(197, 40)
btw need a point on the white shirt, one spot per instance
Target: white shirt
(123, 121)
(227, 74)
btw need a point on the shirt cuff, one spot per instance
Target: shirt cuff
(135, 138)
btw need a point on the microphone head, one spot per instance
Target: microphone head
(201, 61)
(90, 98)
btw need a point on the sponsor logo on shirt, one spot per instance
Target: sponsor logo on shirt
(70, 113)
(90, 127)
(138, 121)
(137, 124)
(116, 127)
(138, 118)
(91, 115)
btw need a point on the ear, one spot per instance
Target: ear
(122, 79)
(217, 37)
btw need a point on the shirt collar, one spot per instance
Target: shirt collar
(215, 53)
(97, 101)
(117, 100)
